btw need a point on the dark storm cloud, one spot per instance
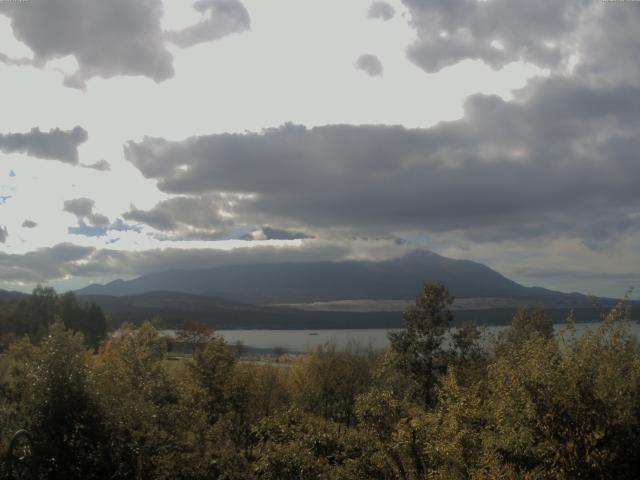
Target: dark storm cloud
(562, 157)
(451, 31)
(56, 144)
(370, 64)
(221, 18)
(82, 208)
(381, 10)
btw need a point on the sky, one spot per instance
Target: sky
(139, 136)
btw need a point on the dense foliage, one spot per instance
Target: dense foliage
(34, 314)
(437, 404)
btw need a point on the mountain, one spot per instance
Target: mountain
(273, 283)
(6, 295)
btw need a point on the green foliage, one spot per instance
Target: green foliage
(33, 315)
(194, 334)
(135, 393)
(466, 341)
(212, 372)
(90, 320)
(55, 403)
(299, 446)
(527, 324)
(327, 382)
(572, 413)
(419, 346)
(437, 404)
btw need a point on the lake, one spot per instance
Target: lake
(300, 341)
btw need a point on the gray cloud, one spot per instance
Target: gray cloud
(19, 62)
(3, 234)
(222, 18)
(538, 32)
(202, 218)
(561, 153)
(381, 10)
(115, 37)
(100, 165)
(608, 44)
(41, 265)
(370, 64)
(98, 220)
(269, 233)
(96, 34)
(82, 208)
(186, 218)
(64, 260)
(110, 262)
(599, 36)
(53, 145)
(29, 224)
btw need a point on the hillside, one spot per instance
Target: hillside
(172, 308)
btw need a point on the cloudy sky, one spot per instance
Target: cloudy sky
(144, 135)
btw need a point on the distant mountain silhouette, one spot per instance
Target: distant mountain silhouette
(266, 283)
(7, 296)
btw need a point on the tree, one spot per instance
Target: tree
(63, 416)
(326, 382)
(466, 340)
(570, 412)
(194, 334)
(39, 311)
(295, 445)
(33, 315)
(88, 319)
(418, 346)
(526, 324)
(212, 371)
(130, 382)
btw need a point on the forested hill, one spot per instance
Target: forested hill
(10, 295)
(400, 278)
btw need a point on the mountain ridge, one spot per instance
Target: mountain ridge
(294, 282)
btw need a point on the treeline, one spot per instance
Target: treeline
(32, 316)
(437, 404)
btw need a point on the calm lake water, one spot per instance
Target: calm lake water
(299, 341)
